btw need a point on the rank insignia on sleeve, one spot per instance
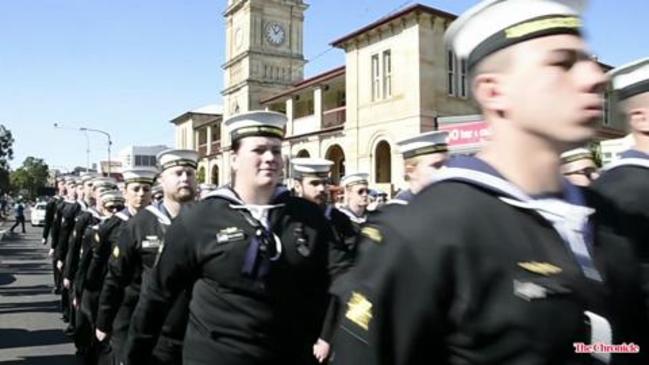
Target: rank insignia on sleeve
(116, 252)
(541, 268)
(359, 310)
(372, 233)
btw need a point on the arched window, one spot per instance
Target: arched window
(214, 178)
(200, 175)
(303, 153)
(383, 163)
(335, 153)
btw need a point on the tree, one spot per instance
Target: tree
(30, 177)
(6, 154)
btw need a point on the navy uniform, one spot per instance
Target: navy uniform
(476, 271)
(135, 254)
(86, 289)
(50, 210)
(346, 182)
(68, 213)
(344, 232)
(204, 189)
(489, 298)
(625, 181)
(259, 274)
(54, 234)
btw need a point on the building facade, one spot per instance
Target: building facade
(398, 80)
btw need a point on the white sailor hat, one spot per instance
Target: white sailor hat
(256, 123)
(305, 166)
(575, 155)
(104, 183)
(87, 176)
(111, 196)
(69, 179)
(156, 189)
(140, 175)
(354, 179)
(424, 144)
(631, 79)
(492, 25)
(177, 157)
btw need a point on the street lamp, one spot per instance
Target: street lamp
(86, 130)
(110, 142)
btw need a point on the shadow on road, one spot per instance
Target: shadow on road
(15, 291)
(44, 360)
(16, 337)
(6, 278)
(50, 306)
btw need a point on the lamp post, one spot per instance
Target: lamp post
(86, 130)
(110, 142)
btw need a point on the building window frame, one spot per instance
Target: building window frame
(375, 77)
(387, 73)
(450, 73)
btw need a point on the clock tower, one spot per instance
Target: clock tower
(264, 51)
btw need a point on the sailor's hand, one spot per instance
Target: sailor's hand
(321, 350)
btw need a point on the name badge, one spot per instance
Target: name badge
(151, 242)
(230, 234)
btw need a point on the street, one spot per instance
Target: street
(30, 325)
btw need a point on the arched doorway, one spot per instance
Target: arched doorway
(214, 177)
(200, 175)
(337, 156)
(303, 153)
(383, 163)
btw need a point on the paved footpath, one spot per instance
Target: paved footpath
(31, 331)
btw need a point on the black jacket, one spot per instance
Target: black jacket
(243, 310)
(474, 280)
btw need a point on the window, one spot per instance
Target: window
(382, 75)
(464, 87)
(216, 132)
(457, 83)
(387, 74)
(376, 89)
(450, 66)
(606, 108)
(138, 160)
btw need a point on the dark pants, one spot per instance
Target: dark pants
(65, 303)
(19, 220)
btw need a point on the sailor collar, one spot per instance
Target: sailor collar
(352, 216)
(630, 158)
(567, 212)
(94, 212)
(158, 209)
(258, 211)
(124, 215)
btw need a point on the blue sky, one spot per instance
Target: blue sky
(128, 67)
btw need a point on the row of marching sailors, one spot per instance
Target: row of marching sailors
(84, 221)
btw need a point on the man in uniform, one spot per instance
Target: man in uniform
(55, 206)
(311, 179)
(137, 195)
(423, 155)
(86, 219)
(356, 197)
(578, 166)
(135, 255)
(625, 181)
(501, 261)
(66, 215)
(50, 208)
(85, 215)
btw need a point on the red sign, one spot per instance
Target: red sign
(464, 134)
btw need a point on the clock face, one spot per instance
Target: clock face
(274, 33)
